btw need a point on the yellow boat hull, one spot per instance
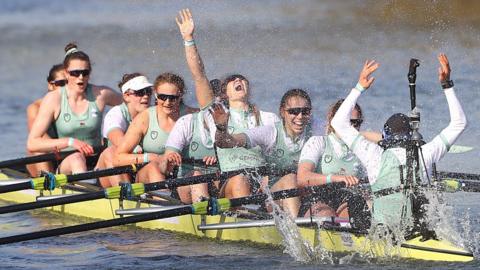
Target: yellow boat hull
(331, 240)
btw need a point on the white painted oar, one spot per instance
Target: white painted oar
(459, 149)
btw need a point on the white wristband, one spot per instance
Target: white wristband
(189, 43)
(145, 157)
(70, 141)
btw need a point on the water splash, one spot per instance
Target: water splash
(295, 245)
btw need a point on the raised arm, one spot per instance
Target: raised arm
(203, 90)
(437, 148)
(368, 152)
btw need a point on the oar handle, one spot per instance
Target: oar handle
(106, 172)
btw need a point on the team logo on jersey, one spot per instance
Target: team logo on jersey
(67, 117)
(153, 135)
(279, 153)
(194, 146)
(327, 158)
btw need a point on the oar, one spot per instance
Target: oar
(124, 191)
(55, 156)
(452, 185)
(52, 181)
(211, 207)
(457, 175)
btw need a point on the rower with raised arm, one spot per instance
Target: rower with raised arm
(326, 159)
(243, 115)
(76, 110)
(386, 162)
(281, 143)
(191, 147)
(137, 91)
(56, 79)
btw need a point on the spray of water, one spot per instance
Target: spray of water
(295, 245)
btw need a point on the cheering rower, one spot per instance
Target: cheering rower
(281, 144)
(386, 162)
(242, 114)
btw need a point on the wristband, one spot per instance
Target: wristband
(189, 43)
(70, 141)
(447, 84)
(329, 179)
(145, 157)
(360, 88)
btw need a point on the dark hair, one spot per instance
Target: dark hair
(333, 110)
(75, 55)
(294, 93)
(170, 78)
(127, 77)
(53, 70)
(230, 78)
(251, 107)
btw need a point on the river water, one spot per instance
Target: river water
(316, 45)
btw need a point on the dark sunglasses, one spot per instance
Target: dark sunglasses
(164, 97)
(142, 92)
(59, 82)
(297, 111)
(77, 73)
(356, 123)
(234, 77)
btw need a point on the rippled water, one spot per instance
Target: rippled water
(317, 45)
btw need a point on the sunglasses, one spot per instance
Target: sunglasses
(78, 72)
(297, 111)
(164, 97)
(142, 92)
(59, 83)
(356, 123)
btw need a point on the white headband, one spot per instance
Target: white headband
(72, 50)
(136, 83)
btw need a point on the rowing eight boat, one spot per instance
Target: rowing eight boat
(333, 237)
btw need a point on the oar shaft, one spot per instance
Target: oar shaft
(457, 175)
(41, 158)
(15, 187)
(96, 225)
(105, 172)
(52, 202)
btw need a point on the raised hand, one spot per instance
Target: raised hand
(365, 79)
(444, 69)
(185, 24)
